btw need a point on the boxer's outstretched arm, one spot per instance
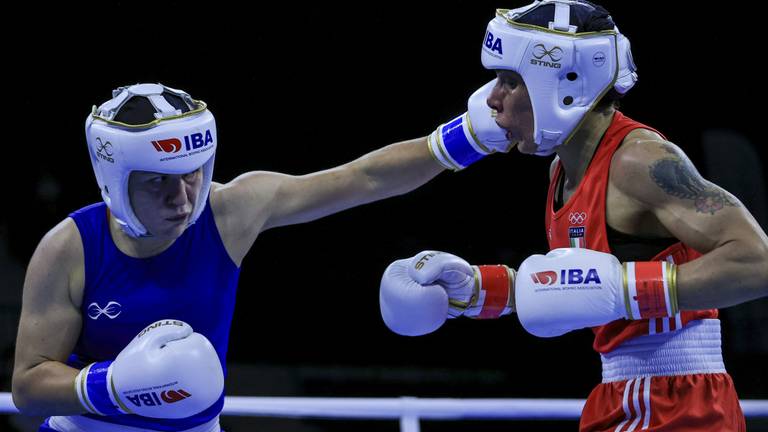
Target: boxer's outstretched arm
(262, 200)
(49, 326)
(734, 267)
(257, 201)
(393, 170)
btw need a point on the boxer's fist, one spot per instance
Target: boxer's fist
(419, 293)
(470, 136)
(166, 371)
(408, 307)
(482, 121)
(452, 273)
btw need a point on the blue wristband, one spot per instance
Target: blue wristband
(456, 143)
(97, 389)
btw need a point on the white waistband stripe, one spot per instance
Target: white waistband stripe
(693, 349)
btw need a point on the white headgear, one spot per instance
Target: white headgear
(180, 139)
(566, 73)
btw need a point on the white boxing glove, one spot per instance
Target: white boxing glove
(452, 273)
(473, 291)
(408, 307)
(470, 136)
(573, 288)
(419, 293)
(166, 371)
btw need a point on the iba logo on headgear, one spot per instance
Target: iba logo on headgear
(193, 141)
(493, 44)
(170, 145)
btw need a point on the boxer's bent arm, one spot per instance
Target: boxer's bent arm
(389, 171)
(734, 267)
(49, 326)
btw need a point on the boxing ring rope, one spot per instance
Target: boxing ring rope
(409, 410)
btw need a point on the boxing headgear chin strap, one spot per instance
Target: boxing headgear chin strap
(175, 142)
(566, 72)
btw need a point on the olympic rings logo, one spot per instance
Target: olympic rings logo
(577, 218)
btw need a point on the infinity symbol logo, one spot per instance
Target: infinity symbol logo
(105, 148)
(111, 310)
(540, 51)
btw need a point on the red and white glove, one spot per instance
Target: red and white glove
(573, 288)
(418, 294)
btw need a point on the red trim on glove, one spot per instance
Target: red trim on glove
(495, 283)
(651, 296)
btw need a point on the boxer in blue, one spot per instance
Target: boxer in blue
(139, 290)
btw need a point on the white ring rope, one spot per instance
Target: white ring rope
(409, 408)
(393, 408)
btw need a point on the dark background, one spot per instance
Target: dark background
(300, 88)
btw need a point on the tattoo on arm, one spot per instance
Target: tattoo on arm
(679, 178)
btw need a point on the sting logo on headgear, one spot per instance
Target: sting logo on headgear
(104, 150)
(540, 52)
